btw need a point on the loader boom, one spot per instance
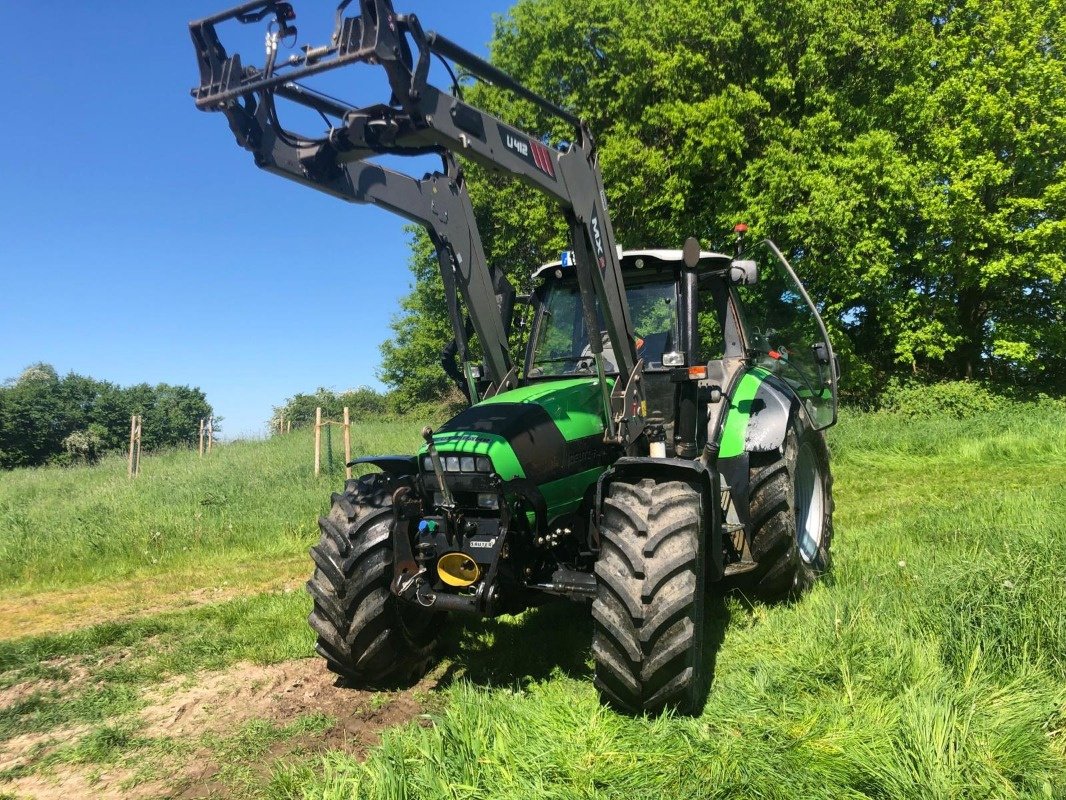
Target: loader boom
(420, 119)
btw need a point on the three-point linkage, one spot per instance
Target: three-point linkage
(421, 119)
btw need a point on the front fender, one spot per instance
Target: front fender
(396, 466)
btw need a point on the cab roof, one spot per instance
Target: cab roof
(638, 259)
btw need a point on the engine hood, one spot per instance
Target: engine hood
(543, 432)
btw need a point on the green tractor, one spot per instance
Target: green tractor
(663, 433)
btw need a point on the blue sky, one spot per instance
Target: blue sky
(139, 243)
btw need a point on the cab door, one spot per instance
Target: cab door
(786, 336)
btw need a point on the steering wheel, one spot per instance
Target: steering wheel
(587, 362)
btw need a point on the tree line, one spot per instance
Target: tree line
(909, 157)
(49, 419)
(363, 403)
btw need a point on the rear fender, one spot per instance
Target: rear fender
(694, 473)
(761, 408)
(770, 413)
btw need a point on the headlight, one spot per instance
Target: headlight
(674, 359)
(460, 463)
(488, 501)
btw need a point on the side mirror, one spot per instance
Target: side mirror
(821, 353)
(744, 272)
(690, 253)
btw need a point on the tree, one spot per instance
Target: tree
(410, 360)
(45, 418)
(362, 402)
(908, 156)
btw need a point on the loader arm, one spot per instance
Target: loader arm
(440, 203)
(419, 119)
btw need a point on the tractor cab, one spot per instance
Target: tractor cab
(655, 291)
(708, 325)
(561, 343)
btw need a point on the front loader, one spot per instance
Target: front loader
(662, 433)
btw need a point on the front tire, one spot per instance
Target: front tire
(791, 508)
(648, 612)
(366, 634)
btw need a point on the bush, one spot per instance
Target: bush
(362, 403)
(957, 399)
(365, 404)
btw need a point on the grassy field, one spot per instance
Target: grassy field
(186, 528)
(932, 663)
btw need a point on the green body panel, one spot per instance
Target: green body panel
(573, 404)
(736, 421)
(482, 444)
(565, 495)
(576, 408)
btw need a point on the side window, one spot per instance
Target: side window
(653, 309)
(787, 335)
(561, 333)
(710, 344)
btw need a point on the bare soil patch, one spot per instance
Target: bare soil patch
(217, 704)
(220, 702)
(18, 750)
(75, 782)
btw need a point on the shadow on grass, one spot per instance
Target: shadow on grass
(553, 640)
(716, 615)
(549, 640)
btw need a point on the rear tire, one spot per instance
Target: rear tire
(366, 634)
(648, 612)
(791, 497)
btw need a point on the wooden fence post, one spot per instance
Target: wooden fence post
(133, 429)
(201, 437)
(134, 466)
(318, 441)
(347, 445)
(210, 432)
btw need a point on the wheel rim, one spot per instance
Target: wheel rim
(810, 504)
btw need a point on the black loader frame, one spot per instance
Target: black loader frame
(422, 119)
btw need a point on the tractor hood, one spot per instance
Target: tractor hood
(543, 432)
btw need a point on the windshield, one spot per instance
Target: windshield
(562, 346)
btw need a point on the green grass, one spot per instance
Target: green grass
(68, 527)
(932, 663)
(124, 659)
